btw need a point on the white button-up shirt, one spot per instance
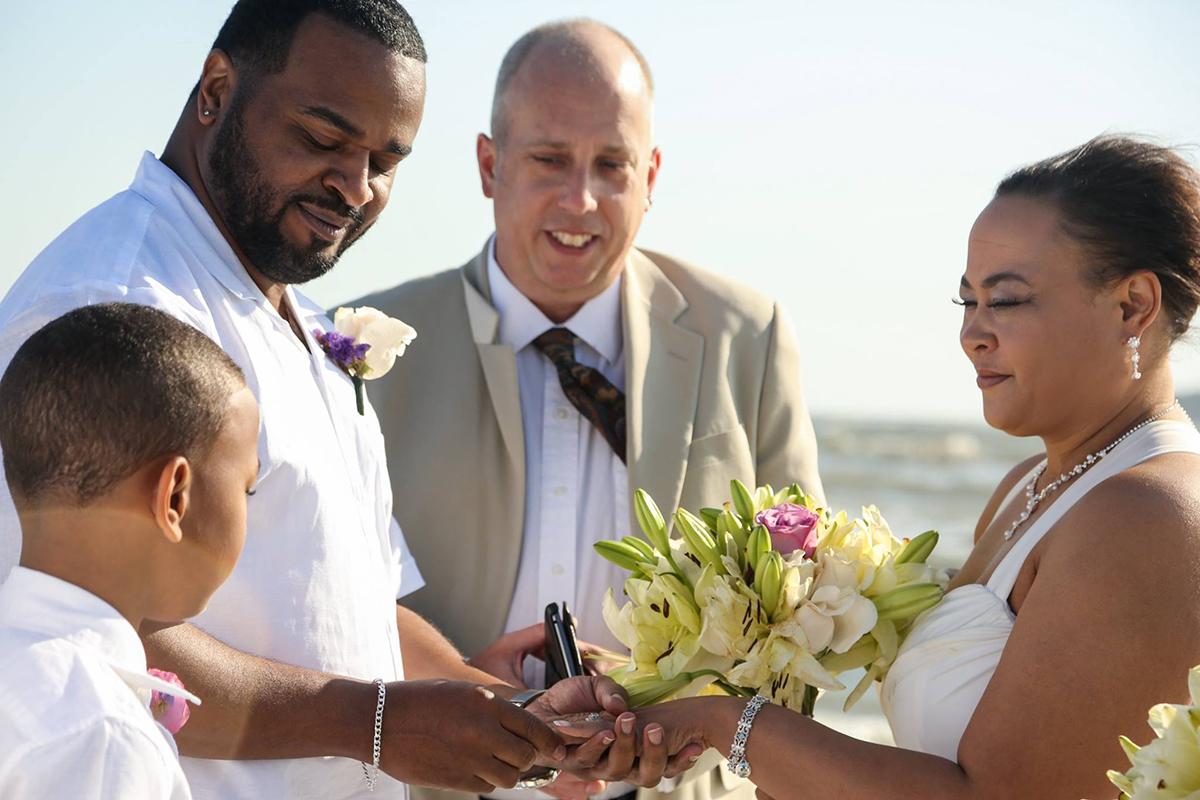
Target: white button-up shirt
(576, 487)
(324, 561)
(75, 719)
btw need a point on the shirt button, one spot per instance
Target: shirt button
(558, 569)
(561, 413)
(561, 491)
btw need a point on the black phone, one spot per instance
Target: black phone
(562, 649)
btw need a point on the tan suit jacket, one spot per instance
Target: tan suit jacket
(713, 393)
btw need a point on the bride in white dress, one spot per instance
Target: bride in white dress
(1079, 606)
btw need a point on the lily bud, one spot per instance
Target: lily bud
(650, 520)
(743, 502)
(908, 601)
(696, 537)
(621, 554)
(918, 550)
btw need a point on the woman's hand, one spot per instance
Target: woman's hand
(653, 743)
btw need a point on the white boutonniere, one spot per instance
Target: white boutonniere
(364, 343)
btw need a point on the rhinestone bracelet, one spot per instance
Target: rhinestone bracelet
(372, 774)
(738, 764)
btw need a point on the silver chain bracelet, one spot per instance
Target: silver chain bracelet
(738, 764)
(372, 774)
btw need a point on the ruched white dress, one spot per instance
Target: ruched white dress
(954, 648)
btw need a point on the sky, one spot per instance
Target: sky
(830, 154)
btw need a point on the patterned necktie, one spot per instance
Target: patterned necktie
(590, 392)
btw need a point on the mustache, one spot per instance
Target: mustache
(329, 204)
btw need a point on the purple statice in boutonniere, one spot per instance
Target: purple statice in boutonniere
(364, 343)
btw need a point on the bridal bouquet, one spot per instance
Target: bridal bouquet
(1168, 767)
(769, 595)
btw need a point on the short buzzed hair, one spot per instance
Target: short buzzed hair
(257, 35)
(104, 390)
(564, 30)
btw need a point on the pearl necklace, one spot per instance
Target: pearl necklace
(1035, 500)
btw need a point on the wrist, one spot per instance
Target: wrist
(503, 690)
(359, 701)
(720, 724)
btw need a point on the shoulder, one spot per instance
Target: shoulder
(427, 294)
(712, 296)
(53, 691)
(1145, 519)
(1006, 485)
(118, 251)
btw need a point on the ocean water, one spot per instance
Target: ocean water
(921, 476)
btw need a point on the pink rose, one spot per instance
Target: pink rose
(170, 711)
(792, 528)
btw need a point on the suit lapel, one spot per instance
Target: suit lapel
(663, 363)
(498, 361)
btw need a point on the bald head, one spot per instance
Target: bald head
(575, 51)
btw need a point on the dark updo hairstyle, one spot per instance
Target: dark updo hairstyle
(1134, 206)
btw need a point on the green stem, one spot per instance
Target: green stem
(736, 691)
(810, 701)
(358, 393)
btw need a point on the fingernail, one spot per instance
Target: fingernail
(694, 758)
(627, 724)
(609, 738)
(560, 753)
(562, 723)
(654, 735)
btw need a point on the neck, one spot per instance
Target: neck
(93, 549)
(1066, 449)
(182, 156)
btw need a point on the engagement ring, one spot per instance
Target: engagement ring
(593, 717)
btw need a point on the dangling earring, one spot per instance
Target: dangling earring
(1134, 343)
(649, 202)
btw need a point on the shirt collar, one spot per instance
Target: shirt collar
(597, 322)
(39, 603)
(175, 200)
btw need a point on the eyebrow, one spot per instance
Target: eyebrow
(992, 280)
(350, 129)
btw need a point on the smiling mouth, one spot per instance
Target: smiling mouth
(577, 241)
(322, 226)
(989, 380)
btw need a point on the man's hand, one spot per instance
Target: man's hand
(453, 735)
(505, 657)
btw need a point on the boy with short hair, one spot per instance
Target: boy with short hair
(130, 445)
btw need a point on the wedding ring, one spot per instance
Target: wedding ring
(592, 717)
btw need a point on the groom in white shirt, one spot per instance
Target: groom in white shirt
(283, 157)
(563, 368)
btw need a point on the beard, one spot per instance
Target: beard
(247, 203)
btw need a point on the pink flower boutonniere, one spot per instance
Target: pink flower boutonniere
(171, 712)
(364, 343)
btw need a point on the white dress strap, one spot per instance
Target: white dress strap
(1157, 438)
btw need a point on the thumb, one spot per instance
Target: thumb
(530, 640)
(609, 695)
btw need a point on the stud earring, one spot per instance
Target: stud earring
(1134, 343)
(649, 202)
(207, 112)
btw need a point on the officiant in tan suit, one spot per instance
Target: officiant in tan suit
(561, 368)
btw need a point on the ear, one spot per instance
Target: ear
(487, 153)
(217, 81)
(1141, 299)
(652, 173)
(172, 496)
